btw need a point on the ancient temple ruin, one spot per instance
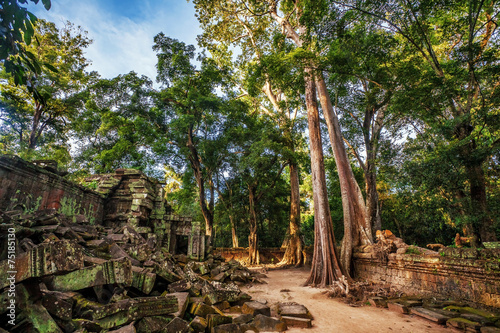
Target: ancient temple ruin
(126, 197)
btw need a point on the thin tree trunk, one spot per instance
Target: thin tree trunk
(34, 129)
(253, 245)
(293, 241)
(234, 236)
(357, 230)
(325, 265)
(206, 210)
(372, 200)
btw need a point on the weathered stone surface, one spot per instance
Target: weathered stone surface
(255, 308)
(398, 307)
(243, 319)
(26, 186)
(296, 322)
(201, 310)
(154, 324)
(143, 279)
(44, 259)
(126, 329)
(226, 328)
(214, 320)
(224, 305)
(183, 301)
(490, 329)
(453, 273)
(177, 325)
(464, 324)
(430, 315)
(179, 286)
(113, 271)
(58, 304)
(293, 310)
(268, 324)
(125, 311)
(198, 324)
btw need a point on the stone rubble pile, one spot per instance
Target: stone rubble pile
(71, 276)
(457, 315)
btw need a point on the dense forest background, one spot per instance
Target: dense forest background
(414, 88)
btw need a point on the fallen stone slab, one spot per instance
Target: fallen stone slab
(198, 324)
(297, 322)
(126, 329)
(398, 307)
(113, 271)
(214, 320)
(226, 328)
(177, 325)
(429, 315)
(143, 279)
(44, 259)
(463, 324)
(183, 301)
(268, 324)
(201, 310)
(155, 324)
(127, 310)
(255, 308)
(293, 310)
(58, 304)
(243, 319)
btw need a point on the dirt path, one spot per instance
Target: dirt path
(332, 315)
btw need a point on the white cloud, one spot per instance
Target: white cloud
(122, 44)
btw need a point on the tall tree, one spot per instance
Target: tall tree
(291, 16)
(58, 82)
(190, 119)
(451, 81)
(228, 24)
(112, 125)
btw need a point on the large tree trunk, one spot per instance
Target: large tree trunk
(475, 173)
(253, 246)
(293, 241)
(325, 265)
(479, 203)
(357, 230)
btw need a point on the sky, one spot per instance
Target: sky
(123, 30)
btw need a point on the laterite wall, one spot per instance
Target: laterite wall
(28, 188)
(458, 273)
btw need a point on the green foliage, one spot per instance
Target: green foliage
(112, 125)
(35, 129)
(17, 32)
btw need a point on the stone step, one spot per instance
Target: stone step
(430, 315)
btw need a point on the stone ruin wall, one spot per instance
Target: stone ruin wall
(457, 273)
(28, 188)
(124, 197)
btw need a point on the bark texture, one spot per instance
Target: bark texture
(293, 241)
(325, 265)
(357, 228)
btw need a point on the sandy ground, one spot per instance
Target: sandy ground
(331, 315)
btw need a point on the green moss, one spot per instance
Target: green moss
(468, 309)
(412, 250)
